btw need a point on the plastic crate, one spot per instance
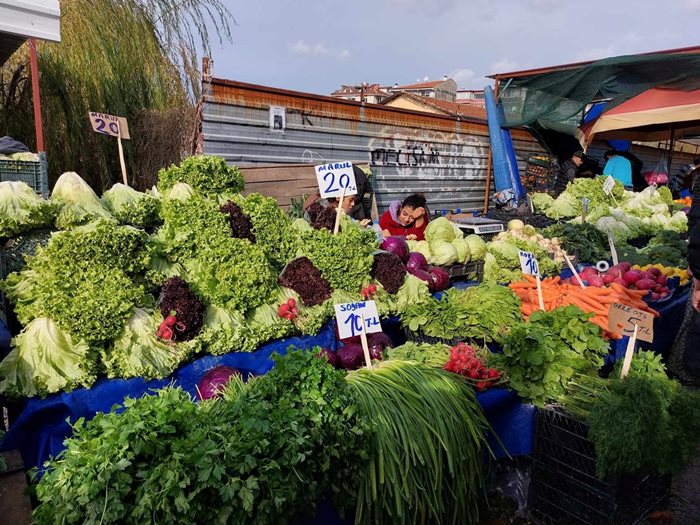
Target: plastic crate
(15, 249)
(471, 271)
(32, 173)
(538, 174)
(565, 490)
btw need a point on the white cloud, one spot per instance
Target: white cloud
(503, 66)
(467, 79)
(687, 5)
(302, 48)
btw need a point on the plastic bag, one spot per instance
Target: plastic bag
(659, 175)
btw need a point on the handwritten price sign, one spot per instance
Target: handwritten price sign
(608, 185)
(528, 263)
(333, 177)
(623, 318)
(349, 318)
(109, 125)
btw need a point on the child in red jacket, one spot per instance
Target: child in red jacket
(408, 218)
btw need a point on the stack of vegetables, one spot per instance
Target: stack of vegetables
(137, 283)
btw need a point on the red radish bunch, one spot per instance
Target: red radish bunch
(288, 310)
(623, 274)
(465, 362)
(169, 326)
(368, 291)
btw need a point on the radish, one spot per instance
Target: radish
(663, 291)
(589, 270)
(609, 278)
(622, 282)
(632, 276)
(170, 320)
(662, 280)
(624, 267)
(644, 284)
(291, 302)
(167, 333)
(654, 271)
(596, 281)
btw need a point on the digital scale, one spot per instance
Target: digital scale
(478, 225)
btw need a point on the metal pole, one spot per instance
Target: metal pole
(34, 67)
(489, 161)
(671, 146)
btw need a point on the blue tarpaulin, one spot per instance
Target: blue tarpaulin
(43, 425)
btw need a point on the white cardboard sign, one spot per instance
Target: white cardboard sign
(333, 177)
(349, 318)
(109, 125)
(608, 185)
(528, 263)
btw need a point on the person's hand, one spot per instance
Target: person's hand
(411, 237)
(386, 233)
(418, 213)
(696, 295)
(365, 222)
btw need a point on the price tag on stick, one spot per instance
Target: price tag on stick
(629, 353)
(613, 251)
(354, 319)
(628, 321)
(333, 177)
(528, 263)
(608, 186)
(114, 127)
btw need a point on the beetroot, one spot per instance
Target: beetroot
(622, 282)
(633, 276)
(379, 339)
(654, 271)
(624, 267)
(662, 280)
(609, 278)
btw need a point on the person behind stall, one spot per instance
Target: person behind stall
(619, 168)
(314, 203)
(567, 172)
(683, 180)
(407, 218)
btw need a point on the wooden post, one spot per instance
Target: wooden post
(365, 345)
(34, 68)
(121, 155)
(338, 211)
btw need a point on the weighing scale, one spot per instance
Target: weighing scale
(478, 225)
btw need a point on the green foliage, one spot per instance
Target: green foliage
(148, 60)
(22, 209)
(435, 356)
(345, 260)
(482, 313)
(272, 228)
(132, 207)
(665, 247)
(265, 453)
(44, 360)
(427, 449)
(542, 355)
(589, 243)
(207, 174)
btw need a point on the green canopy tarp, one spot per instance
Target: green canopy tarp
(556, 99)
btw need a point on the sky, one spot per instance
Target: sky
(315, 46)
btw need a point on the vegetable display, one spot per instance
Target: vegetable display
(132, 207)
(388, 269)
(586, 241)
(22, 209)
(543, 354)
(304, 278)
(414, 477)
(77, 203)
(266, 451)
(590, 299)
(205, 173)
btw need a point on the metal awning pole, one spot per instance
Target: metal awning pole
(34, 67)
(671, 146)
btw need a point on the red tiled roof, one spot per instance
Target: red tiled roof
(421, 85)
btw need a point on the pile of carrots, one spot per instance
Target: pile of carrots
(589, 299)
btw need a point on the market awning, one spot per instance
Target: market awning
(648, 117)
(21, 20)
(555, 98)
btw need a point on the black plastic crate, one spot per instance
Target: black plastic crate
(16, 248)
(32, 173)
(471, 271)
(565, 490)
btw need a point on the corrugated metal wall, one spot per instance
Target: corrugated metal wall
(408, 151)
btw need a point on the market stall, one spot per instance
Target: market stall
(146, 327)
